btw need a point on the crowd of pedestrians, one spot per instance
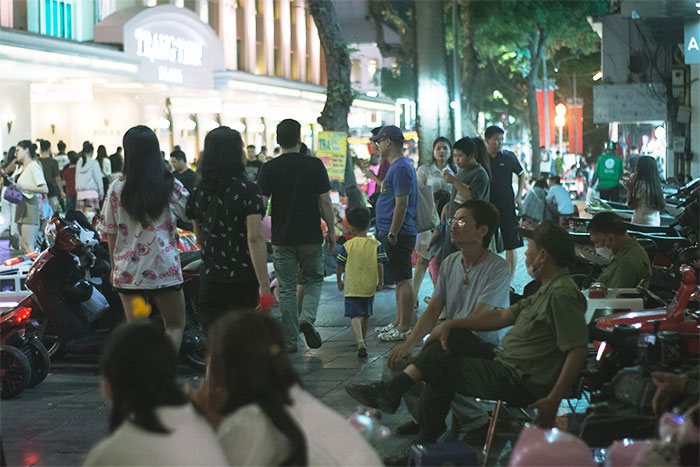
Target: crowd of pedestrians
(251, 408)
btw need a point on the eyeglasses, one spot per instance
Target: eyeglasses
(461, 222)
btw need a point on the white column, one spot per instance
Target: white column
(285, 37)
(178, 3)
(300, 31)
(202, 10)
(314, 53)
(6, 13)
(227, 32)
(249, 36)
(269, 36)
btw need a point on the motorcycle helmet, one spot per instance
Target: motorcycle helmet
(80, 291)
(610, 146)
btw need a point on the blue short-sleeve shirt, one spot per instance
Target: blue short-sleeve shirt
(400, 180)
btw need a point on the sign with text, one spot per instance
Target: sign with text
(629, 103)
(332, 150)
(692, 42)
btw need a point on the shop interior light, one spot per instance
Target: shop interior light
(239, 126)
(9, 120)
(210, 125)
(161, 123)
(189, 124)
(598, 76)
(259, 128)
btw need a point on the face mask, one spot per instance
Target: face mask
(605, 252)
(531, 271)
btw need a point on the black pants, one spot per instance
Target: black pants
(466, 367)
(218, 297)
(611, 194)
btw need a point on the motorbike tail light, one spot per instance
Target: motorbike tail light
(23, 314)
(32, 255)
(13, 261)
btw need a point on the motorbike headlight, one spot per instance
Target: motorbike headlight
(50, 233)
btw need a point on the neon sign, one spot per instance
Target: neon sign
(157, 46)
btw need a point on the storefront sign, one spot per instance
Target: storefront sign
(332, 150)
(174, 44)
(629, 103)
(692, 42)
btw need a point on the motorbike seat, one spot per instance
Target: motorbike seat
(188, 257)
(664, 243)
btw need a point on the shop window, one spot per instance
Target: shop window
(278, 62)
(259, 59)
(58, 18)
(355, 71)
(295, 66)
(372, 70)
(276, 9)
(259, 7)
(239, 55)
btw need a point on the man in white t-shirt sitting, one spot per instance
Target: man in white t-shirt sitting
(559, 203)
(470, 279)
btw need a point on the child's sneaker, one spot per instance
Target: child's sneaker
(384, 329)
(362, 351)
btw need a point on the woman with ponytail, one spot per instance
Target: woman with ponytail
(253, 398)
(152, 422)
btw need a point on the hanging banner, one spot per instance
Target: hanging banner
(332, 150)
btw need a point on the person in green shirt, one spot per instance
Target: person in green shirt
(608, 171)
(630, 265)
(542, 355)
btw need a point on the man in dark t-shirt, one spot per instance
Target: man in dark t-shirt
(186, 176)
(252, 163)
(503, 165)
(300, 192)
(51, 174)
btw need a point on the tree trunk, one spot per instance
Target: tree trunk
(536, 43)
(469, 66)
(432, 103)
(338, 90)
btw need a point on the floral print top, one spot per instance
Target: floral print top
(145, 256)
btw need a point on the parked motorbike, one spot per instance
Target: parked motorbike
(24, 361)
(75, 303)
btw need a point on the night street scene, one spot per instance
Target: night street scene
(350, 232)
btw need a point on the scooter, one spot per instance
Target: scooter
(77, 307)
(24, 361)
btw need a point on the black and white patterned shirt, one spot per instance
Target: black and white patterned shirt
(222, 224)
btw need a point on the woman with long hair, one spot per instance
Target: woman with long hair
(31, 182)
(152, 421)
(139, 217)
(89, 183)
(431, 175)
(644, 193)
(482, 157)
(105, 165)
(226, 211)
(253, 398)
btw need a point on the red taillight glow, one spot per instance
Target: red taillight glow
(32, 255)
(13, 261)
(23, 314)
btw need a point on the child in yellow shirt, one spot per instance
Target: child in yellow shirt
(361, 259)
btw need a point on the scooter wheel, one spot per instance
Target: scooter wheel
(39, 360)
(15, 372)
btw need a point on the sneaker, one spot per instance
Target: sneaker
(374, 395)
(386, 328)
(362, 352)
(313, 338)
(394, 335)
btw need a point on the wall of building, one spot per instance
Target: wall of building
(695, 120)
(15, 96)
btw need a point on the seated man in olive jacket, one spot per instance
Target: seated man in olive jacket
(630, 265)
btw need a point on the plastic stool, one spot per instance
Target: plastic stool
(456, 453)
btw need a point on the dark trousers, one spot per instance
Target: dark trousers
(218, 297)
(611, 194)
(467, 367)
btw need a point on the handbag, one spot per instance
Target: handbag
(12, 195)
(426, 214)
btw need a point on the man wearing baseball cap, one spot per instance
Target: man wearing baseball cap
(396, 226)
(542, 355)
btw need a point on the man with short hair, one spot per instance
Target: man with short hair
(186, 176)
(300, 191)
(252, 163)
(470, 280)
(51, 174)
(630, 264)
(116, 162)
(541, 358)
(503, 165)
(61, 158)
(608, 171)
(395, 215)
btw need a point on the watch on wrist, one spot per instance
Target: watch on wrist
(392, 235)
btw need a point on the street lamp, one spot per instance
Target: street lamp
(560, 121)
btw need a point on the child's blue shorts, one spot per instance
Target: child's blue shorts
(358, 307)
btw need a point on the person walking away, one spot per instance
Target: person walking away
(559, 205)
(300, 192)
(151, 422)
(52, 175)
(105, 166)
(644, 193)
(503, 165)
(431, 175)
(116, 161)
(396, 227)
(254, 399)
(226, 210)
(31, 182)
(532, 212)
(253, 164)
(360, 257)
(61, 158)
(68, 177)
(608, 171)
(88, 182)
(139, 220)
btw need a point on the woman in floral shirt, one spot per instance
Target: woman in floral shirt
(139, 216)
(226, 210)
